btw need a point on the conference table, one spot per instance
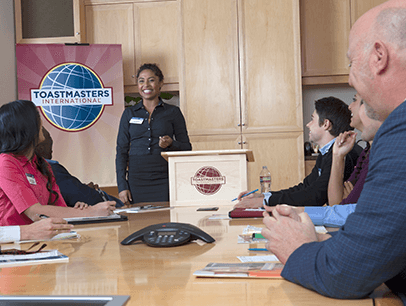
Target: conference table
(100, 265)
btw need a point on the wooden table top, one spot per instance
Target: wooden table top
(100, 265)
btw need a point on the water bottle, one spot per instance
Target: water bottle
(265, 179)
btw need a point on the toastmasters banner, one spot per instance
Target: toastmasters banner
(80, 94)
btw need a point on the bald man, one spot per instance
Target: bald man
(370, 249)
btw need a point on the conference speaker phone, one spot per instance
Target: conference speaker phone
(168, 235)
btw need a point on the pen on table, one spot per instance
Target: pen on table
(257, 249)
(245, 194)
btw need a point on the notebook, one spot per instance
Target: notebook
(246, 213)
(86, 220)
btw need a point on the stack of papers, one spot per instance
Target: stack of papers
(52, 256)
(245, 270)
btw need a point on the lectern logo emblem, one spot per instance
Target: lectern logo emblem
(208, 180)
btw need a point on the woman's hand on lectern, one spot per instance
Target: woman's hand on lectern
(125, 197)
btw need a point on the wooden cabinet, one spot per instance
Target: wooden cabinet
(359, 7)
(48, 21)
(147, 31)
(241, 89)
(112, 24)
(210, 89)
(282, 152)
(325, 27)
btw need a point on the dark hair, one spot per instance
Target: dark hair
(154, 68)
(20, 124)
(337, 112)
(19, 127)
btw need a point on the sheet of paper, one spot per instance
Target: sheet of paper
(263, 258)
(61, 236)
(219, 217)
(252, 229)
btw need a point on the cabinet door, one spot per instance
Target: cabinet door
(156, 36)
(281, 152)
(113, 24)
(216, 142)
(359, 7)
(271, 90)
(48, 21)
(210, 97)
(325, 25)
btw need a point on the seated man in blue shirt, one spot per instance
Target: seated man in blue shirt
(330, 118)
(72, 189)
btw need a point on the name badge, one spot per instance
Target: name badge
(136, 120)
(31, 179)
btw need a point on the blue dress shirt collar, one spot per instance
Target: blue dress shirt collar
(327, 147)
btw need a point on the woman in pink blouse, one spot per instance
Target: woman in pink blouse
(27, 184)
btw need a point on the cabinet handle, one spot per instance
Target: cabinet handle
(244, 142)
(77, 33)
(133, 76)
(239, 142)
(238, 124)
(243, 124)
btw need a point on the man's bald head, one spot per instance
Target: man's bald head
(377, 53)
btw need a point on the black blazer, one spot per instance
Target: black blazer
(72, 189)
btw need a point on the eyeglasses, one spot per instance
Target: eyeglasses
(22, 252)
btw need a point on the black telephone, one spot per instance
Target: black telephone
(168, 235)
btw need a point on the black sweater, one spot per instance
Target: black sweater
(313, 190)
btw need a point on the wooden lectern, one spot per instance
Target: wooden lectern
(204, 178)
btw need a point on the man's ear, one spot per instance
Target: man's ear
(379, 58)
(327, 125)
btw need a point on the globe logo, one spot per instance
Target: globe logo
(208, 180)
(71, 97)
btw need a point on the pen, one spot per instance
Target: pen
(257, 249)
(102, 194)
(43, 216)
(245, 194)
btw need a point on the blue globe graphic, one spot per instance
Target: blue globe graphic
(68, 77)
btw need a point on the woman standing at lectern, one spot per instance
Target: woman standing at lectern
(147, 129)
